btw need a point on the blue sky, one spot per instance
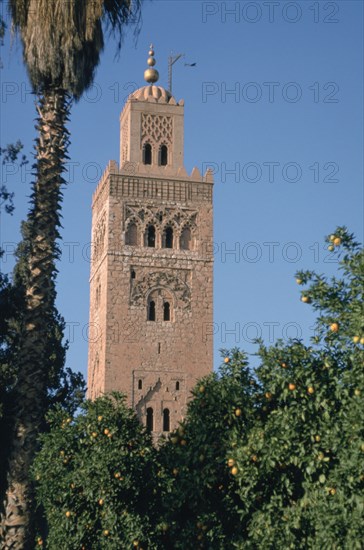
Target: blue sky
(274, 105)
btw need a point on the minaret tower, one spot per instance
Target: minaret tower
(151, 272)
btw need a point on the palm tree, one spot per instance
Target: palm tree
(62, 41)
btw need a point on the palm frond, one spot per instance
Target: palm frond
(62, 39)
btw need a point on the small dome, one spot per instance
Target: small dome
(153, 93)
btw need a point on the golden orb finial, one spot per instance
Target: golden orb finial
(151, 75)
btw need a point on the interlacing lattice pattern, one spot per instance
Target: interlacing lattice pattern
(124, 142)
(178, 286)
(99, 238)
(157, 128)
(143, 216)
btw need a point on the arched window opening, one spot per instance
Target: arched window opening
(185, 241)
(133, 274)
(151, 311)
(177, 386)
(140, 384)
(150, 419)
(151, 236)
(132, 235)
(166, 311)
(166, 420)
(163, 155)
(147, 153)
(168, 238)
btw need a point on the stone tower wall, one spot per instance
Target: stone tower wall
(156, 360)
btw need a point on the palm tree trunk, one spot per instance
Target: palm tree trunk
(33, 359)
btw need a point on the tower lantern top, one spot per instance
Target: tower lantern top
(152, 92)
(151, 75)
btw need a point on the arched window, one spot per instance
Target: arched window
(177, 386)
(163, 155)
(151, 236)
(166, 311)
(140, 384)
(133, 274)
(147, 153)
(150, 419)
(132, 235)
(168, 237)
(185, 241)
(151, 311)
(166, 420)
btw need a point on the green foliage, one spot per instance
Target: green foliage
(10, 155)
(307, 473)
(267, 459)
(200, 506)
(97, 478)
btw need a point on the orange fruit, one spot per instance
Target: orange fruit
(226, 360)
(234, 470)
(237, 412)
(334, 327)
(337, 241)
(231, 462)
(310, 390)
(291, 386)
(306, 299)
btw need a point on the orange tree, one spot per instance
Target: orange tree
(97, 479)
(275, 460)
(302, 463)
(270, 458)
(201, 508)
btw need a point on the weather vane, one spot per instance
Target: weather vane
(171, 61)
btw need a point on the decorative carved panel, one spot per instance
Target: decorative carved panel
(177, 217)
(161, 279)
(124, 142)
(99, 237)
(157, 128)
